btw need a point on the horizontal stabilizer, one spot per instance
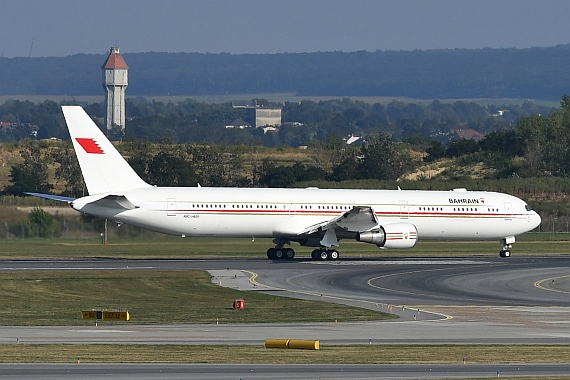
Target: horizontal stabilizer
(52, 197)
(119, 202)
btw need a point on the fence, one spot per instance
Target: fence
(75, 228)
(78, 228)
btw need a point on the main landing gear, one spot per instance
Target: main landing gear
(322, 254)
(279, 253)
(325, 254)
(507, 245)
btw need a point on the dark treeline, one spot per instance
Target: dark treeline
(304, 123)
(535, 73)
(538, 146)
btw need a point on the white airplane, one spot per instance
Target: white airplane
(312, 217)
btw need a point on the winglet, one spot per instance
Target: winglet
(104, 169)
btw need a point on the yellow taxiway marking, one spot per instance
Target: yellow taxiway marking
(538, 284)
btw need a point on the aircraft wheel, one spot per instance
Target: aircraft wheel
(333, 255)
(315, 254)
(323, 255)
(289, 253)
(271, 253)
(279, 253)
(505, 253)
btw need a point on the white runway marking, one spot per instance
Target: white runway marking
(101, 331)
(76, 268)
(400, 262)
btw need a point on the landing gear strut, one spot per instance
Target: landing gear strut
(507, 245)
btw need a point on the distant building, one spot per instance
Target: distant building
(115, 82)
(468, 134)
(239, 124)
(352, 139)
(259, 117)
(264, 117)
(269, 129)
(499, 113)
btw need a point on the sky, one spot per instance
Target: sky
(40, 28)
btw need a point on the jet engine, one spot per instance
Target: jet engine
(391, 236)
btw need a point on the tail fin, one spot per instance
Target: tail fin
(104, 169)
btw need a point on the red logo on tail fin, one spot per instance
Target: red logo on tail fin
(89, 145)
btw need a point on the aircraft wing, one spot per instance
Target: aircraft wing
(358, 219)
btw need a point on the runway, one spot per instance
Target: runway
(276, 372)
(439, 301)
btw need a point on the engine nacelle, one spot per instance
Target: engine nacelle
(391, 236)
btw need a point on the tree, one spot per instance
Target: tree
(209, 165)
(505, 141)
(381, 160)
(139, 153)
(435, 151)
(41, 224)
(32, 174)
(286, 176)
(277, 176)
(463, 146)
(68, 171)
(346, 170)
(546, 142)
(166, 169)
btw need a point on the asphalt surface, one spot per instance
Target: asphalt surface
(439, 301)
(458, 282)
(469, 282)
(276, 372)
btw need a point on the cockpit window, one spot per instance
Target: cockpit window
(528, 208)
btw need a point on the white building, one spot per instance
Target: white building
(115, 82)
(264, 117)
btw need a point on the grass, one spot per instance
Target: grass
(350, 354)
(152, 297)
(173, 247)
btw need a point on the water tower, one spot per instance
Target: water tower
(115, 82)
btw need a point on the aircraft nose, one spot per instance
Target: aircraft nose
(535, 219)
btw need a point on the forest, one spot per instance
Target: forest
(305, 122)
(533, 73)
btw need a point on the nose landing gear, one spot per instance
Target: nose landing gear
(507, 245)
